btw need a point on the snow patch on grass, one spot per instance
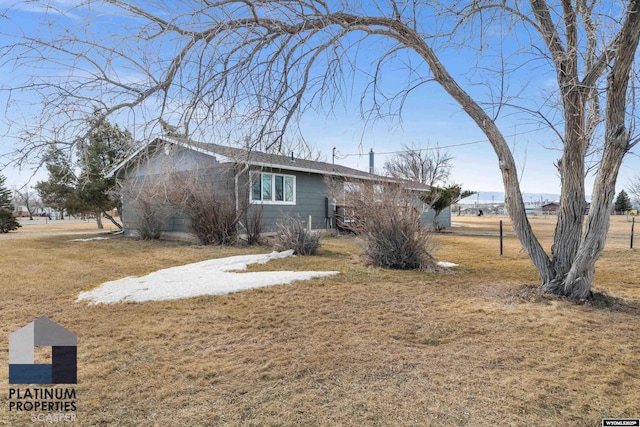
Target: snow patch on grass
(89, 239)
(446, 264)
(211, 277)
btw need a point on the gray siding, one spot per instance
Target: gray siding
(444, 219)
(157, 171)
(310, 200)
(159, 162)
(311, 192)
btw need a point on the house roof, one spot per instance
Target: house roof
(226, 154)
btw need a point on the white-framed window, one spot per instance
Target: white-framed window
(273, 188)
(377, 192)
(355, 188)
(351, 187)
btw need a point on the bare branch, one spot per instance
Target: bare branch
(421, 164)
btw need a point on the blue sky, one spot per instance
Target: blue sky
(430, 116)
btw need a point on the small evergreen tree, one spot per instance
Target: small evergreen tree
(58, 191)
(8, 222)
(106, 146)
(623, 203)
(5, 195)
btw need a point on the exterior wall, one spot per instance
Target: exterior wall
(310, 191)
(444, 219)
(174, 221)
(158, 171)
(313, 197)
(426, 218)
(161, 162)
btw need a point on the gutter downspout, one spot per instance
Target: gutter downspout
(235, 184)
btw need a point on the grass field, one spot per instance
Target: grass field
(40, 226)
(475, 346)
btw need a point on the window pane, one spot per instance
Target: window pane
(266, 186)
(255, 188)
(279, 187)
(351, 187)
(377, 192)
(288, 188)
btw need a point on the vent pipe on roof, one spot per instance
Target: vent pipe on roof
(292, 159)
(371, 161)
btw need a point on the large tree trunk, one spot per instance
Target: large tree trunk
(572, 200)
(574, 254)
(568, 232)
(571, 269)
(580, 278)
(578, 281)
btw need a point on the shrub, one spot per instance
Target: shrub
(8, 222)
(211, 210)
(292, 234)
(149, 224)
(398, 244)
(253, 224)
(213, 218)
(389, 223)
(150, 209)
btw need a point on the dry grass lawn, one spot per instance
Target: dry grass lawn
(479, 346)
(40, 226)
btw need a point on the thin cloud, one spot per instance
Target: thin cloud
(63, 8)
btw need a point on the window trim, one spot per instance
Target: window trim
(252, 178)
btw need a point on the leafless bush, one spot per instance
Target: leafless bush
(292, 234)
(150, 217)
(389, 222)
(252, 222)
(150, 210)
(210, 208)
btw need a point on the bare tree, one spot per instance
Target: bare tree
(28, 199)
(634, 189)
(254, 67)
(430, 166)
